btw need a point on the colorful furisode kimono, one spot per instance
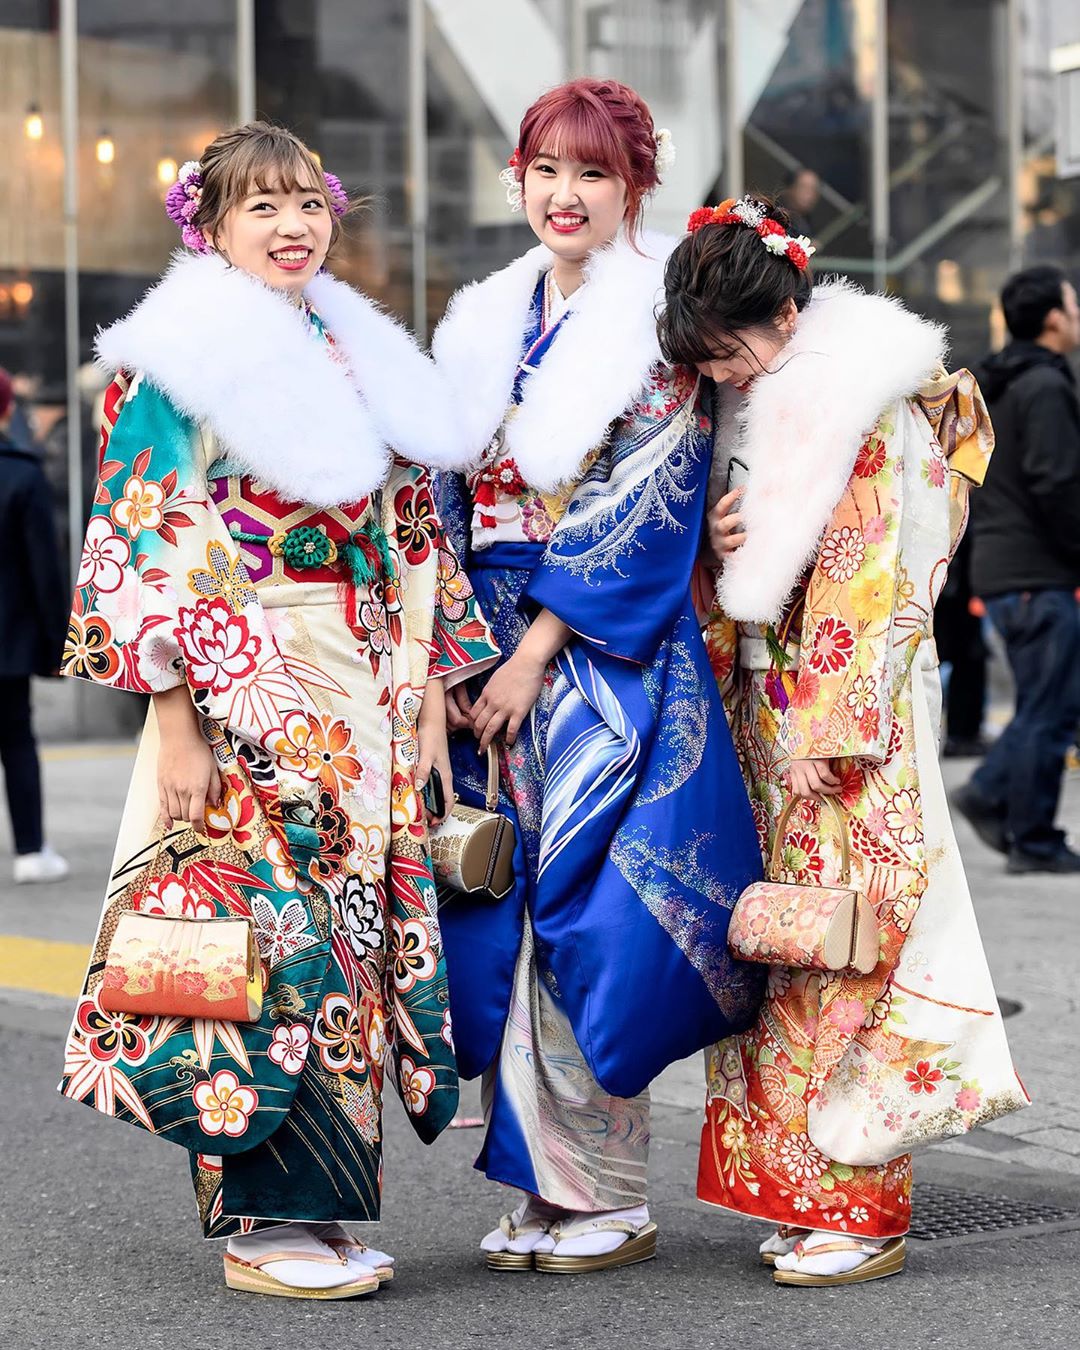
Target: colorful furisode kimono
(608, 959)
(253, 538)
(860, 453)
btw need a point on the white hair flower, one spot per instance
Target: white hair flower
(665, 152)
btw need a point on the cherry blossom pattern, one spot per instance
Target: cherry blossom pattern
(903, 816)
(140, 507)
(923, 1079)
(842, 553)
(289, 1046)
(832, 646)
(417, 1086)
(218, 645)
(104, 556)
(862, 695)
(224, 1106)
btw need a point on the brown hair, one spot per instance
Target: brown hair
(720, 281)
(257, 157)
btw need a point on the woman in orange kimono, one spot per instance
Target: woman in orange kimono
(849, 454)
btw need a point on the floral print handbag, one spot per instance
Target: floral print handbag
(824, 928)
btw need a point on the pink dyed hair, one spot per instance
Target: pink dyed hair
(599, 122)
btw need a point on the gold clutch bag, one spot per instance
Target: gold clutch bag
(164, 965)
(809, 927)
(472, 851)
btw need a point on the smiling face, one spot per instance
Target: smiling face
(280, 237)
(573, 207)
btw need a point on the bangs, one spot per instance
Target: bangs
(578, 132)
(269, 165)
(690, 335)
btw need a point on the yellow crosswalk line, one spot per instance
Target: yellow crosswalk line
(42, 967)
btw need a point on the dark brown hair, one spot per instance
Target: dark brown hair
(722, 280)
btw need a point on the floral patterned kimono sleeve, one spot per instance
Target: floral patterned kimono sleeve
(123, 626)
(842, 697)
(457, 637)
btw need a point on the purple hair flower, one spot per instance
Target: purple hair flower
(182, 204)
(339, 198)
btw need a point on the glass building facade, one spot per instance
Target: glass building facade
(931, 127)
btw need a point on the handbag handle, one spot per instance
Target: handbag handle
(845, 840)
(491, 797)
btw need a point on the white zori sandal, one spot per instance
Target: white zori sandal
(781, 1243)
(290, 1262)
(587, 1242)
(361, 1258)
(828, 1259)
(520, 1235)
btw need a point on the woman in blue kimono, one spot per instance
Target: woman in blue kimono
(579, 524)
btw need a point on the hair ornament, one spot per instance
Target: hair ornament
(182, 204)
(665, 152)
(339, 198)
(515, 195)
(746, 211)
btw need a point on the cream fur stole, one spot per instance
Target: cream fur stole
(592, 372)
(231, 352)
(800, 428)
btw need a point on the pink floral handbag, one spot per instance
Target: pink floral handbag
(809, 927)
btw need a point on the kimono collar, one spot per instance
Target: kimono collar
(231, 352)
(800, 428)
(596, 366)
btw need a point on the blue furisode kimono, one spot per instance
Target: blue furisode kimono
(608, 960)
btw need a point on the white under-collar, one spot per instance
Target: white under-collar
(232, 353)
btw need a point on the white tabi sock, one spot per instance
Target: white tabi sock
(830, 1263)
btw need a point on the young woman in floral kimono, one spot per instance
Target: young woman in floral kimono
(261, 564)
(580, 525)
(854, 453)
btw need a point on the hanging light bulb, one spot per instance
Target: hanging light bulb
(167, 169)
(34, 123)
(105, 150)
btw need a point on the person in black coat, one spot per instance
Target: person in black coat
(1026, 567)
(33, 623)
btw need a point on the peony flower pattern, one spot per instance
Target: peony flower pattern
(171, 894)
(224, 1106)
(362, 907)
(217, 645)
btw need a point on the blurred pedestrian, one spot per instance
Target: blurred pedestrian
(33, 610)
(1026, 566)
(799, 198)
(959, 638)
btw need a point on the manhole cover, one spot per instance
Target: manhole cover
(942, 1212)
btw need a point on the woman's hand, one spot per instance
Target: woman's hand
(433, 749)
(726, 531)
(508, 698)
(187, 771)
(458, 708)
(814, 777)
